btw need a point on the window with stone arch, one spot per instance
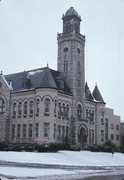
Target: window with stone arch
(19, 109)
(37, 106)
(25, 108)
(31, 108)
(2, 106)
(59, 110)
(102, 117)
(55, 108)
(46, 107)
(79, 111)
(87, 114)
(67, 112)
(14, 109)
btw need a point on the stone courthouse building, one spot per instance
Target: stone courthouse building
(44, 105)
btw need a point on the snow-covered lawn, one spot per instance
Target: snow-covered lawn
(81, 158)
(36, 172)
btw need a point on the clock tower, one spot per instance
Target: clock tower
(71, 61)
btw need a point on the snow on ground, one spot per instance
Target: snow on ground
(81, 158)
(34, 172)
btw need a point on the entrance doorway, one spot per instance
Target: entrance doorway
(82, 137)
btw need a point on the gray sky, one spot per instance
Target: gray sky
(28, 31)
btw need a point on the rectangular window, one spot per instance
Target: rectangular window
(117, 127)
(63, 131)
(67, 131)
(117, 137)
(102, 135)
(102, 121)
(89, 135)
(36, 129)
(112, 126)
(46, 129)
(18, 130)
(59, 131)
(13, 130)
(24, 130)
(92, 135)
(30, 130)
(54, 133)
(112, 136)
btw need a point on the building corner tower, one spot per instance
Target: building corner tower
(71, 64)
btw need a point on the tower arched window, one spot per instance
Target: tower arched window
(31, 106)
(2, 106)
(65, 50)
(14, 109)
(79, 112)
(47, 107)
(19, 108)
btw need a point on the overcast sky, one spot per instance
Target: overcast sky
(28, 31)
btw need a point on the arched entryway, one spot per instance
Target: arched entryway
(82, 136)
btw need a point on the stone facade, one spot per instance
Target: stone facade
(44, 106)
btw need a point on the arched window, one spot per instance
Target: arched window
(2, 106)
(92, 117)
(25, 108)
(86, 113)
(65, 50)
(63, 111)
(37, 106)
(55, 108)
(31, 106)
(14, 109)
(59, 110)
(102, 118)
(19, 108)
(79, 111)
(67, 112)
(47, 107)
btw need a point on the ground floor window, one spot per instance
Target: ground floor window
(18, 130)
(13, 130)
(36, 129)
(30, 130)
(102, 135)
(46, 128)
(24, 130)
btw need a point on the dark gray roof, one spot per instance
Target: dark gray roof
(88, 94)
(97, 95)
(37, 78)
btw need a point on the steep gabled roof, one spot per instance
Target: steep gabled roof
(97, 95)
(88, 94)
(36, 78)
